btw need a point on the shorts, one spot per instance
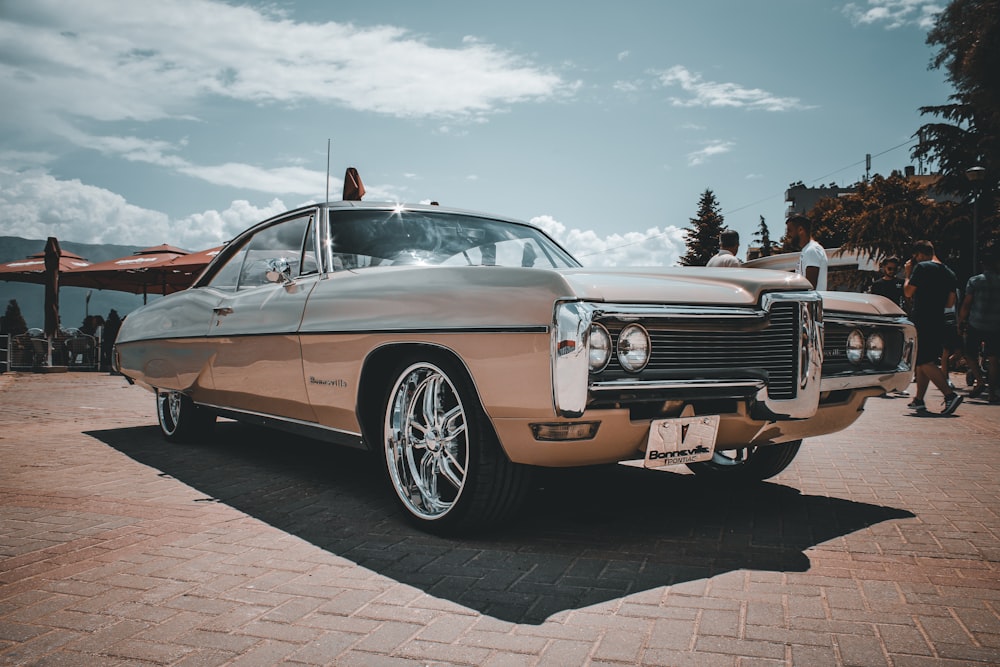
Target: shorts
(989, 340)
(930, 341)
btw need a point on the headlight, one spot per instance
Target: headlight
(633, 348)
(855, 346)
(875, 348)
(600, 348)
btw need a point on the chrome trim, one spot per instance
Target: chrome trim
(618, 385)
(571, 322)
(859, 380)
(810, 363)
(310, 429)
(630, 312)
(865, 320)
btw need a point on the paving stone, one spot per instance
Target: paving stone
(117, 549)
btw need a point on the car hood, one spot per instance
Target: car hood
(860, 304)
(723, 286)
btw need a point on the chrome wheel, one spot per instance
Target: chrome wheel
(170, 406)
(180, 418)
(426, 441)
(749, 464)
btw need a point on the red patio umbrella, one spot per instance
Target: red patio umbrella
(137, 273)
(32, 268)
(187, 268)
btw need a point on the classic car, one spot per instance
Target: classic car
(466, 350)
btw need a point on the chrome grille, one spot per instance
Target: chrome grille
(772, 351)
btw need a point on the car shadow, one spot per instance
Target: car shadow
(587, 536)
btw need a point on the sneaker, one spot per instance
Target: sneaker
(977, 391)
(950, 403)
(917, 404)
(902, 393)
(951, 385)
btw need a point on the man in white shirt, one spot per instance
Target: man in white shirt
(729, 242)
(812, 257)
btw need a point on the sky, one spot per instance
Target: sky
(186, 121)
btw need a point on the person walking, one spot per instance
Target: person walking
(979, 320)
(729, 244)
(931, 285)
(812, 256)
(890, 286)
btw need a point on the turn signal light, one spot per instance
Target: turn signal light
(565, 431)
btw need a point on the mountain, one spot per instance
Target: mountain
(73, 305)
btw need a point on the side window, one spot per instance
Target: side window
(309, 263)
(228, 275)
(281, 241)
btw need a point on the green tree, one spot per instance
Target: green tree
(885, 216)
(702, 239)
(763, 237)
(12, 321)
(967, 35)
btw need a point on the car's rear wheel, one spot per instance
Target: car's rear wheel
(444, 462)
(180, 419)
(751, 464)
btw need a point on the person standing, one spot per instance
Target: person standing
(812, 256)
(889, 284)
(729, 244)
(979, 319)
(931, 285)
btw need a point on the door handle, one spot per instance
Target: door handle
(223, 310)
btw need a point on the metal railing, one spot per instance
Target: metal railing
(77, 351)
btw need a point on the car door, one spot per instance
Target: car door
(261, 294)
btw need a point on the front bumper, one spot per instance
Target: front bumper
(622, 438)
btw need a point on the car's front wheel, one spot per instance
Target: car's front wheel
(180, 419)
(751, 464)
(444, 462)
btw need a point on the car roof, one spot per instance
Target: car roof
(388, 206)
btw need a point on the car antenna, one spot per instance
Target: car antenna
(328, 170)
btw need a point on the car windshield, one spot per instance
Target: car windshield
(360, 239)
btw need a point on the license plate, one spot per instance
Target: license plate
(681, 440)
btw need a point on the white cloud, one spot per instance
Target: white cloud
(654, 247)
(97, 60)
(894, 13)
(34, 204)
(293, 180)
(211, 228)
(713, 148)
(715, 95)
(628, 87)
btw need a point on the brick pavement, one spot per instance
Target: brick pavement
(878, 546)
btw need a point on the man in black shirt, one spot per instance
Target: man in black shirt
(889, 284)
(931, 285)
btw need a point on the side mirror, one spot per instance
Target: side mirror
(278, 271)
